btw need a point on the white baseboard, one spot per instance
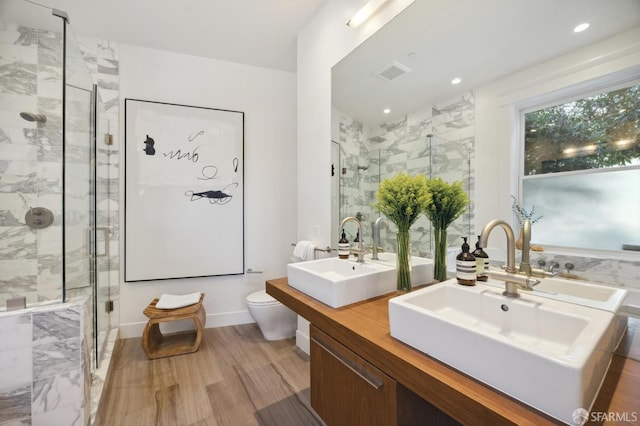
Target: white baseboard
(302, 342)
(302, 335)
(135, 329)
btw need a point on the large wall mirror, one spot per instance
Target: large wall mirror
(395, 105)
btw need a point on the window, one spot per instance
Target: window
(581, 171)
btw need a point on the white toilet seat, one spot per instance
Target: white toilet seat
(261, 298)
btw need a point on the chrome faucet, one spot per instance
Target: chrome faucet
(360, 251)
(551, 269)
(525, 265)
(511, 277)
(375, 231)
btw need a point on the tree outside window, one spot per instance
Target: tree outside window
(582, 171)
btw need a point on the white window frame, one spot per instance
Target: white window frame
(601, 85)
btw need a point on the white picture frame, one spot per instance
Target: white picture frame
(184, 191)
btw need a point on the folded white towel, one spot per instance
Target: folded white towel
(173, 301)
(304, 250)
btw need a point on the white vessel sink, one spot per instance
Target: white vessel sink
(549, 354)
(590, 294)
(338, 282)
(574, 291)
(421, 267)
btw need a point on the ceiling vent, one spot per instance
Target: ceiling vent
(392, 71)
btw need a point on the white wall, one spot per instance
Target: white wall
(268, 99)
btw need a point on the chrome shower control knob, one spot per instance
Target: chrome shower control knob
(38, 218)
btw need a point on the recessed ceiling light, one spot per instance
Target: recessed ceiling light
(386, 110)
(456, 81)
(580, 28)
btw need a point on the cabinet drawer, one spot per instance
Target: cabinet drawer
(346, 389)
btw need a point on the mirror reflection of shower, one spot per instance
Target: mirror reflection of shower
(29, 116)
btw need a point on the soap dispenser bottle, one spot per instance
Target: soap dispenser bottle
(356, 243)
(466, 266)
(343, 247)
(482, 262)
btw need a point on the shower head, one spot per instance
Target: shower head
(40, 118)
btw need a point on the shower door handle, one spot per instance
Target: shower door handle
(105, 230)
(91, 237)
(88, 241)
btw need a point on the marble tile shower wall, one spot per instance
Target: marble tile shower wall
(30, 162)
(44, 365)
(404, 145)
(357, 184)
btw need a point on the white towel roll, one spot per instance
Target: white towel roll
(304, 250)
(173, 301)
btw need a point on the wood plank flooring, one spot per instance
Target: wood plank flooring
(236, 378)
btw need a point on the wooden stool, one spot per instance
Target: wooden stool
(157, 345)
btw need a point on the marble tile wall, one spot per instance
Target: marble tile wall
(30, 162)
(44, 365)
(613, 272)
(405, 145)
(357, 176)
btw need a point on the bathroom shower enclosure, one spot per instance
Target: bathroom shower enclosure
(55, 234)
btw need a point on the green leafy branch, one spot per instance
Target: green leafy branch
(448, 202)
(402, 199)
(522, 214)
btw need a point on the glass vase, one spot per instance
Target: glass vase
(403, 261)
(440, 255)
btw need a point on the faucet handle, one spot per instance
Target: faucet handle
(531, 282)
(569, 267)
(359, 253)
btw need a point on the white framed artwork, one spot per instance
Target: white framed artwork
(184, 191)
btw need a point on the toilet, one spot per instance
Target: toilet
(275, 320)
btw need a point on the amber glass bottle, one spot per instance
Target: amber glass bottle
(482, 262)
(343, 247)
(466, 266)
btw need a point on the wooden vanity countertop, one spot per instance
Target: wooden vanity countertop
(363, 327)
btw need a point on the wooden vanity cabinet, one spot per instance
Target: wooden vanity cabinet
(348, 390)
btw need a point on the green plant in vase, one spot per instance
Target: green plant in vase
(448, 202)
(521, 215)
(402, 199)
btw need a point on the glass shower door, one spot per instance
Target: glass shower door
(79, 188)
(102, 220)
